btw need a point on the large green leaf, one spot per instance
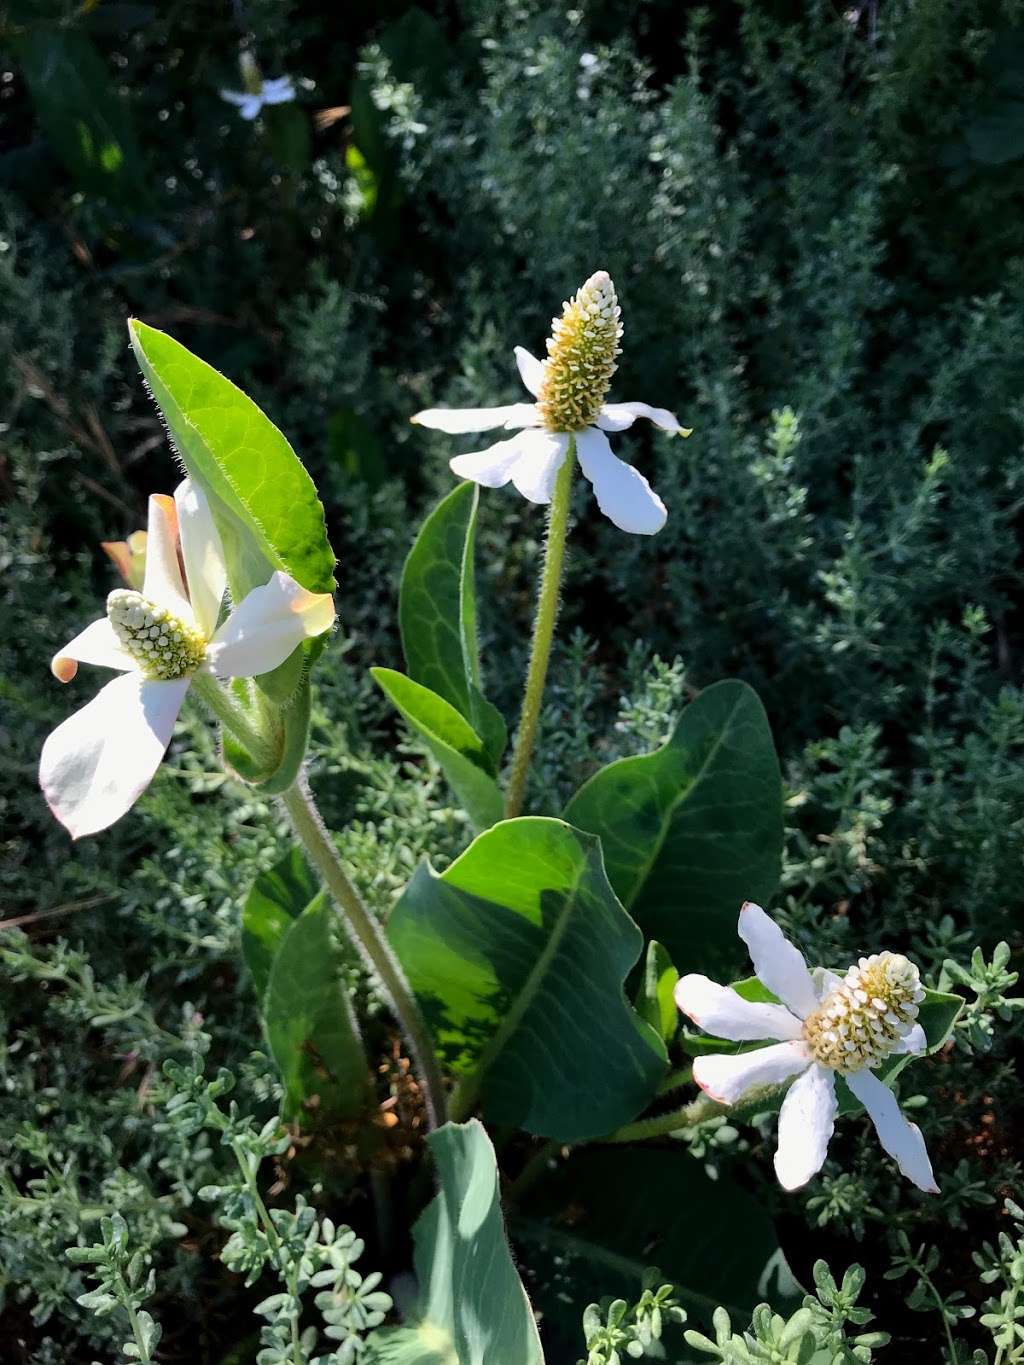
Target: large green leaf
(276, 901)
(694, 829)
(437, 614)
(310, 1023)
(264, 502)
(452, 740)
(473, 1309)
(938, 1012)
(518, 953)
(608, 1213)
(87, 125)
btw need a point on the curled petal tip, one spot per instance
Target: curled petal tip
(63, 668)
(685, 431)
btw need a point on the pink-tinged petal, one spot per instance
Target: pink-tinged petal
(163, 583)
(622, 492)
(806, 1124)
(531, 370)
(728, 1079)
(898, 1136)
(267, 626)
(460, 421)
(619, 416)
(97, 764)
(202, 553)
(542, 456)
(778, 965)
(912, 1043)
(97, 644)
(724, 1014)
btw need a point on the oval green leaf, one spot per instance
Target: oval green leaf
(693, 830)
(311, 1026)
(473, 1309)
(460, 751)
(265, 504)
(437, 614)
(518, 953)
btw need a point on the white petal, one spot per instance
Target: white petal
(825, 982)
(201, 550)
(97, 764)
(531, 370)
(806, 1123)
(278, 91)
(267, 626)
(913, 1043)
(619, 416)
(542, 456)
(622, 492)
(238, 97)
(900, 1138)
(531, 459)
(458, 421)
(97, 644)
(163, 583)
(727, 1079)
(778, 965)
(251, 108)
(721, 1012)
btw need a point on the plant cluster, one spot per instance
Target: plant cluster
(811, 221)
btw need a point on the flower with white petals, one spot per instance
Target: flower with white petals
(825, 1024)
(258, 92)
(569, 389)
(97, 763)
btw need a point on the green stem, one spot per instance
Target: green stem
(369, 938)
(940, 1304)
(699, 1109)
(543, 631)
(232, 717)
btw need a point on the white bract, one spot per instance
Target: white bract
(825, 1025)
(569, 390)
(258, 92)
(97, 763)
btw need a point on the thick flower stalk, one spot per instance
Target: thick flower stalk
(569, 413)
(163, 639)
(827, 1026)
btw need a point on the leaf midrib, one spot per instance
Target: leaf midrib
(513, 1017)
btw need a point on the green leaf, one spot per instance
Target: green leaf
(656, 999)
(473, 1308)
(276, 901)
(87, 125)
(310, 1023)
(437, 614)
(693, 830)
(460, 751)
(518, 953)
(937, 1014)
(264, 502)
(612, 1212)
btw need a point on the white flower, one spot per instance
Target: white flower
(97, 763)
(250, 102)
(826, 1024)
(569, 388)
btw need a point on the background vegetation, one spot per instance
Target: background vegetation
(812, 218)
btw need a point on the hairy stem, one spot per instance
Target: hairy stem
(231, 716)
(543, 631)
(369, 939)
